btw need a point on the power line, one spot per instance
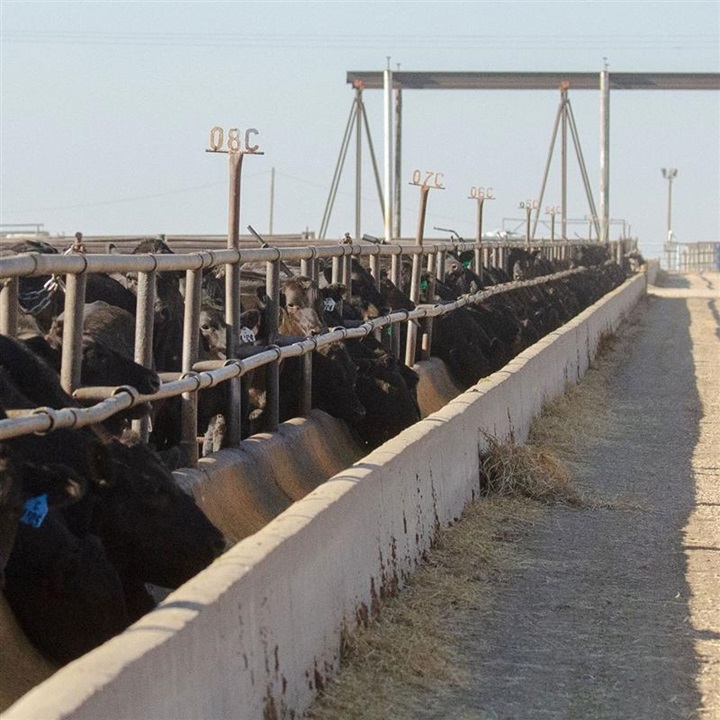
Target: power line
(135, 198)
(319, 41)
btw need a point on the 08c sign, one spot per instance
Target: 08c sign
(234, 141)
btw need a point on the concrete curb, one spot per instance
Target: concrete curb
(256, 634)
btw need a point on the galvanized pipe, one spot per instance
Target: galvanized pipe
(9, 306)
(272, 317)
(190, 353)
(72, 332)
(412, 327)
(306, 385)
(388, 157)
(144, 335)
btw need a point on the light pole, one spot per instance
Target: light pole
(669, 174)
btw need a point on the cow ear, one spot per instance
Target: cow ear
(69, 490)
(57, 482)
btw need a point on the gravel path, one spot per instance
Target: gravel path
(615, 612)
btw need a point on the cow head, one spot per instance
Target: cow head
(300, 307)
(153, 530)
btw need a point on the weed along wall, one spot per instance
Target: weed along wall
(257, 633)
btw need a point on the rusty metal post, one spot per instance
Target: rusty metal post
(9, 306)
(190, 353)
(272, 313)
(232, 297)
(424, 190)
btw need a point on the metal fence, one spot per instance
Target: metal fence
(195, 376)
(699, 256)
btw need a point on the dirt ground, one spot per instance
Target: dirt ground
(608, 610)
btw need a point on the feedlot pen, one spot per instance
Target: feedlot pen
(609, 609)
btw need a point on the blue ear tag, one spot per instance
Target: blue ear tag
(424, 284)
(467, 263)
(36, 510)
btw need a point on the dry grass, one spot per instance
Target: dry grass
(408, 647)
(528, 471)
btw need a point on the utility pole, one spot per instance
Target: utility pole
(604, 155)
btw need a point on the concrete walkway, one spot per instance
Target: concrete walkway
(615, 611)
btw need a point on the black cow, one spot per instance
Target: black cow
(387, 389)
(27, 484)
(65, 593)
(148, 529)
(334, 378)
(43, 296)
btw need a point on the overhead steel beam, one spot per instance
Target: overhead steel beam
(536, 80)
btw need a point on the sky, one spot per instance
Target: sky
(106, 110)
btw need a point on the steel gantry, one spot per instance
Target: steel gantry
(605, 81)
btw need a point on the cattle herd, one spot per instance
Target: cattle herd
(89, 517)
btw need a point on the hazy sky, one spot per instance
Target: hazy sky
(106, 109)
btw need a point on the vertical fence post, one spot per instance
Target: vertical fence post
(415, 279)
(395, 336)
(9, 306)
(144, 317)
(232, 297)
(72, 331)
(272, 311)
(306, 384)
(189, 401)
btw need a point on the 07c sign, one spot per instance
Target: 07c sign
(235, 142)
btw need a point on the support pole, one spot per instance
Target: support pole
(604, 156)
(232, 296)
(387, 85)
(358, 162)
(398, 162)
(563, 186)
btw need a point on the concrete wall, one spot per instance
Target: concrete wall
(255, 634)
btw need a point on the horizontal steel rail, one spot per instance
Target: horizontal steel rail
(206, 374)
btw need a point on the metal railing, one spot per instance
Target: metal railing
(196, 375)
(698, 256)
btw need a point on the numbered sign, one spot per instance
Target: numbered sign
(482, 193)
(233, 141)
(427, 179)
